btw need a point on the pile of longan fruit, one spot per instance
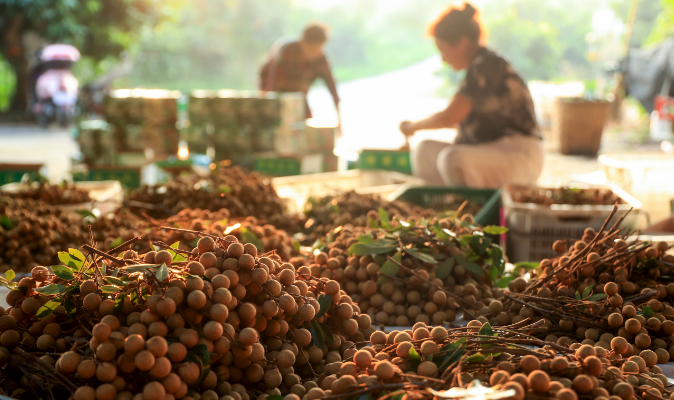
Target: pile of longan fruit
(403, 301)
(588, 372)
(52, 194)
(32, 233)
(230, 188)
(251, 314)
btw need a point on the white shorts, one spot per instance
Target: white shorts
(515, 159)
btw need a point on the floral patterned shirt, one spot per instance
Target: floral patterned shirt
(501, 101)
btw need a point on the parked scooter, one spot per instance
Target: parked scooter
(54, 87)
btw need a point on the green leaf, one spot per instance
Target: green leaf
(110, 289)
(63, 272)
(9, 275)
(372, 223)
(527, 265)
(497, 260)
(414, 359)
(587, 291)
(71, 310)
(296, 245)
(140, 267)
(274, 398)
(225, 189)
(48, 308)
(377, 247)
(476, 358)
(365, 239)
(445, 268)
(51, 289)
(494, 230)
(317, 335)
(86, 213)
(596, 297)
(421, 256)
(327, 333)
(119, 304)
(439, 233)
(486, 330)
(389, 268)
(578, 296)
(6, 223)
(116, 242)
(151, 246)
(455, 351)
(114, 281)
(162, 273)
(134, 297)
(325, 302)
(384, 219)
(249, 237)
(648, 312)
(199, 355)
(503, 282)
(469, 265)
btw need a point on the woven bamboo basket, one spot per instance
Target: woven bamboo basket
(578, 125)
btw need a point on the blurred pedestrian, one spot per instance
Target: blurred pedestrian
(294, 65)
(498, 141)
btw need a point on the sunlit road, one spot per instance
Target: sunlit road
(373, 107)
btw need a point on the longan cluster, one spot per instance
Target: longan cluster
(251, 315)
(231, 188)
(52, 194)
(33, 233)
(409, 298)
(585, 373)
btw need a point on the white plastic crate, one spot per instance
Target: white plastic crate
(648, 177)
(533, 228)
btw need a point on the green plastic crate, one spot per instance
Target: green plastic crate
(283, 166)
(128, 177)
(433, 196)
(387, 160)
(10, 173)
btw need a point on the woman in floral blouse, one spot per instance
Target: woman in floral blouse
(498, 140)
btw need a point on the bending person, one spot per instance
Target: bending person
(498, 140)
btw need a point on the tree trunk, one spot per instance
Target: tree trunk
(16, 58)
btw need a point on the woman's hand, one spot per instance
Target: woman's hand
(407, 128)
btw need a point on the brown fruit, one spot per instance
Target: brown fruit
(538, 381)
(144, 360)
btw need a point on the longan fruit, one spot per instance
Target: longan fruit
(176, 352)
(642, 341)
(171, 383)
(86, 369)
(566, 394)
(429, 347)
(157, 346)
(101, 332)
(189, 372)
(615, 320)
(154, 391)
(427, 368)
(189, 338)
(619, 345)
(163, 257)
(213, 330)
(68, 362)
(30, 305)
(585, 351)
(166, 307)
(161, 367)
(45, 342)
(559, 246)
(206, 244)
(285, 359)
(248, 336)
(10, 338)
(362, 359)
(530, 363)
(106, 352)
(85, 393)
(623, 390)
(106, 372)
(593, 365)
(92, 302)
(235, 250)
(538, 381)
(632, 325)
(196, 299)
(499, 377)
(106, 392)
(144, 360)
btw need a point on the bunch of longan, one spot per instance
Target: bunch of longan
(54, 195)
(225, 322)
(32, 233)
(588, 372)
(408, 298)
